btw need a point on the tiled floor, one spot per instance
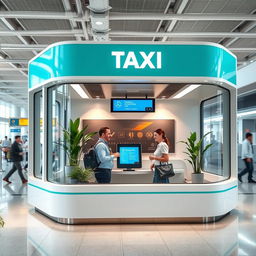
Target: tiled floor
(27, 232)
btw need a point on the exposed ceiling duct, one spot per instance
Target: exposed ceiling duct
(99, 16)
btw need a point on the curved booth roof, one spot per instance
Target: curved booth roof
(68, 60)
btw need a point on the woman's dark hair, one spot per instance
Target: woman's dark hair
(161, 132)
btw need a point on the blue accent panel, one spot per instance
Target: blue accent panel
(132, 193)
(97, 60)
(14, 122)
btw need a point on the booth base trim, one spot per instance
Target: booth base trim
(78, 221)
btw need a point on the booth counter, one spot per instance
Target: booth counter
(112, 70)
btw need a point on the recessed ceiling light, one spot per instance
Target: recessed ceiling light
(186, 91)
(99, 23)
(80, 91)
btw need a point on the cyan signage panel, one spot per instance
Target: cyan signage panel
(150, 60)
(15, 130)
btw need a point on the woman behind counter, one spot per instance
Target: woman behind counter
(160, 155)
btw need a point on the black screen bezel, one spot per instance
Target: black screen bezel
(139, 165)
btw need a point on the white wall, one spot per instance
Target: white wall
(246, 75)
(186, 114)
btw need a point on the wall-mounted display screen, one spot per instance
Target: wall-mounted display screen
(130, 156)
(132, 105)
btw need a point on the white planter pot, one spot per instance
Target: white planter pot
(68, 170)
(197, 178)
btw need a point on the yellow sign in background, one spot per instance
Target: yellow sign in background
(23, 122)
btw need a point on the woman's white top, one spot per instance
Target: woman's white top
(162, 148)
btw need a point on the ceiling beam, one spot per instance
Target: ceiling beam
(73, 24)
(13, 81)
(14, 87)
(43, 33)
(166, 10)
(69, 15)
(131, 33)
(13, 69)
(179, 8)
(242, 49)
(182, 17)
(13, 61)
(13, 25)
(21, 47)
(40, 15)
(81, 13)
(181, 34)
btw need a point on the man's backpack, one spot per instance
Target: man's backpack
(90, 158)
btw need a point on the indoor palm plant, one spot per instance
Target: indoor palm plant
(73, 143)
(195, 152)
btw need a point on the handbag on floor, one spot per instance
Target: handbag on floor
(165, 170)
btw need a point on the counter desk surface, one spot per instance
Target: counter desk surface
(142, 176)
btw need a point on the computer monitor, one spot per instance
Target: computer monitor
(132, 105)
(130, 156)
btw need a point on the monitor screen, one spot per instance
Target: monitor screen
(130, 156)
(132, 105)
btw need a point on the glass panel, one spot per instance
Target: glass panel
(215, 119)
(64, 102)
(57, 110)
(246, 122)
(38, 133)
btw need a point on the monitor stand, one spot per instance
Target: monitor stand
(128, 170)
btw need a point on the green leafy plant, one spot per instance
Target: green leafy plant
(1, 222)
(195, 151)
(74, 141)
(81, 174)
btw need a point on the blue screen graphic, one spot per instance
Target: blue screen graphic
(132, 105)
(129, 155)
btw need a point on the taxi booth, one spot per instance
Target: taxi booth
(191, 88)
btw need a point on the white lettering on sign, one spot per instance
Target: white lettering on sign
(131, 60)
(153, 60)
(118, 58)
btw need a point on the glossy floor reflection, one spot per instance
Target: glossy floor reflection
(27, 232)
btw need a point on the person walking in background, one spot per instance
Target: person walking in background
(25, 149)
(17, 157)
(160, 155)
(6, 145)
(247, 156)
(104, 156)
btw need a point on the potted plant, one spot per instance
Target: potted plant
(195, 151)
(80, 175)
(73, 143)
(1, 222)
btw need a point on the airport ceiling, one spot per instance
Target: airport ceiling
(28, 26)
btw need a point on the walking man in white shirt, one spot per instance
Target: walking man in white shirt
(247, 156)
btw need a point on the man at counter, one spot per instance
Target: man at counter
(104, 156)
